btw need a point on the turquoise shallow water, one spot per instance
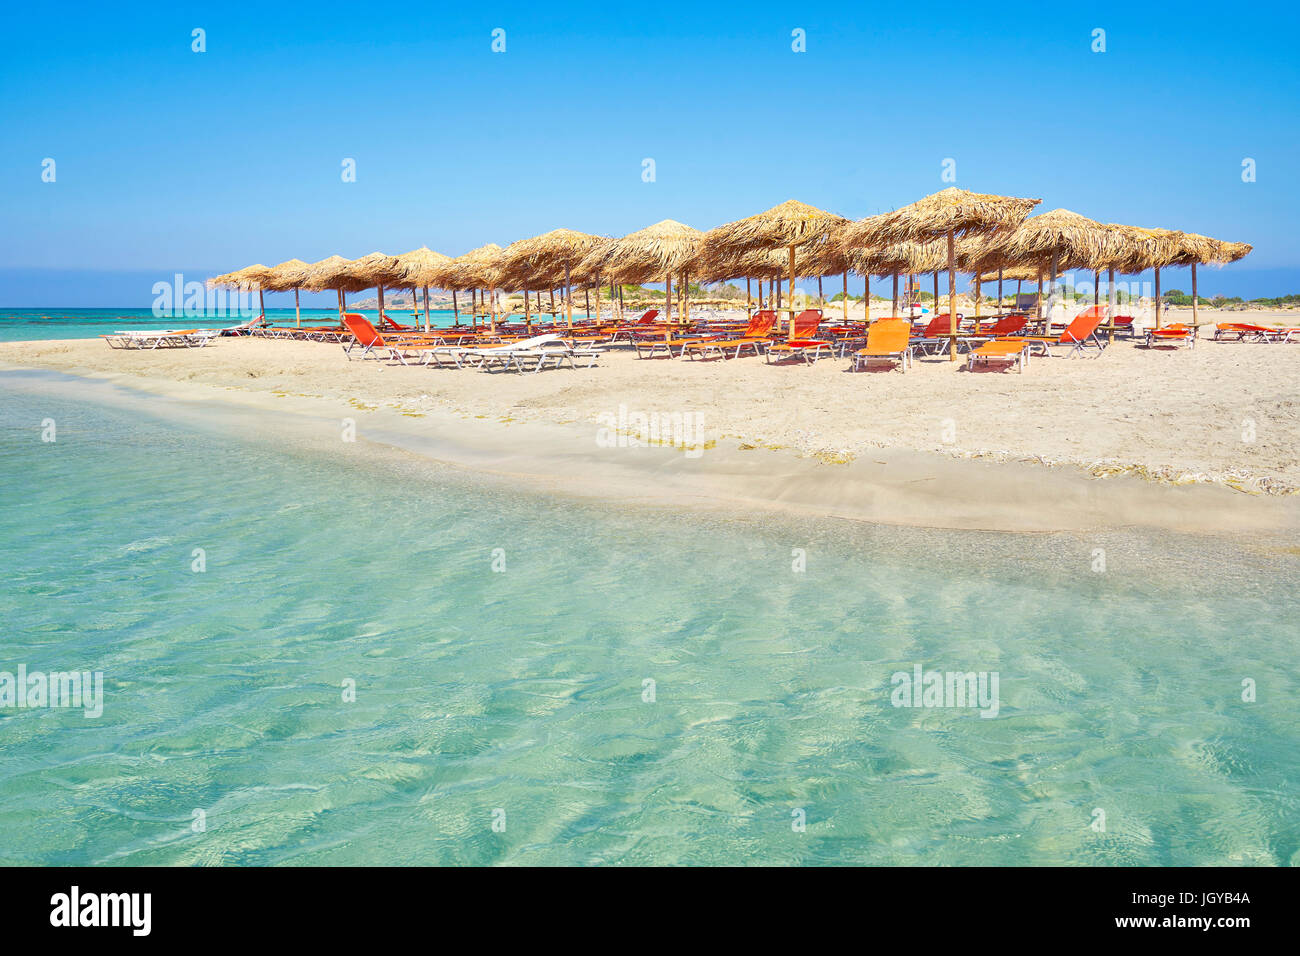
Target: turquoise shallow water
(21, 325)
(523, 691)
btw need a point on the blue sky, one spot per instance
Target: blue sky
(169, 160)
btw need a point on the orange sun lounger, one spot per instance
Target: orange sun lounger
(755, 335)
(801, 343)
(1080, 333)
(1012, 350)
(887, 339)
(1171, 334)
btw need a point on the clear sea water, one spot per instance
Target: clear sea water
(520, 696)
(18, 325)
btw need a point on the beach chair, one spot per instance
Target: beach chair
(1080, 334)
(644, 324)
(887, 339)
(1245, 332)
(539, 351)
(934, 337)
(1099, 312)
(1005, 327)
(1123, 325)
(373, 345)
(1175, 335)
(755, 336)
(801, 343)
(1003, 350)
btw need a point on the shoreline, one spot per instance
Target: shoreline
(892, 486)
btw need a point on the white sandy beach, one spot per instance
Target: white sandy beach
(1219, 422)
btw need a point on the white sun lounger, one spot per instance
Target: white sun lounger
(160, 338)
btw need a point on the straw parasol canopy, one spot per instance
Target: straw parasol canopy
(666, 249)
(420, 269)
(290, 274)
(949, 213)
(952, 210)
(1193, 249)
(560, 250)
(787, 226)
(247, 279)
(1059, 239)
(331, 273)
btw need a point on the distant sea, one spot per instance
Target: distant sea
(20, 325)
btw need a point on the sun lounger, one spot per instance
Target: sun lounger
(374, 345)
(801, 343)
(1171, 335)
(1000, 350)
(160, 338)
(1245, 332)
(755, 337)
(536, 352)
(1080, 334)
(887, 340)
(934, 338)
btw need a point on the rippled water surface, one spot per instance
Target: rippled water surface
(521, 697)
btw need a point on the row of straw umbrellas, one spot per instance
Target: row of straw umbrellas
(987, 236)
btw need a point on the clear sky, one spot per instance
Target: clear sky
(170, 160)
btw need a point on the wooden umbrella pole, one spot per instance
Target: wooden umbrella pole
(668, 311)
(528, 318)
(261, 302)
(1157, 297)
(1096, 285)
(866, 298)
(381, 306)
(568, 297)
(482, 308)
(492, 292)
(790, 330)
(686, 297)
(297, 312)
(341, 306)
(821, 296)
(749, 299)
(893, 309)
(1038, 302)
(846, 296)
(1017, 305)
(935, 293)
(597, 302)
(999, 290)
(1051, 289)
(952, 297)
(1193, 300)
(1110, 296)
(979, 285)
(455, 307)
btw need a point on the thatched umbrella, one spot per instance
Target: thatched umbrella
(247, 279)
(290, 274)
(666, 249)
(1052, 242)
(380, 271)
(902, 258)
(477, 269)
(1193, 250)
(333, 273)
(421, 269)
(558, 251)
(788, 226)
(949, 213)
